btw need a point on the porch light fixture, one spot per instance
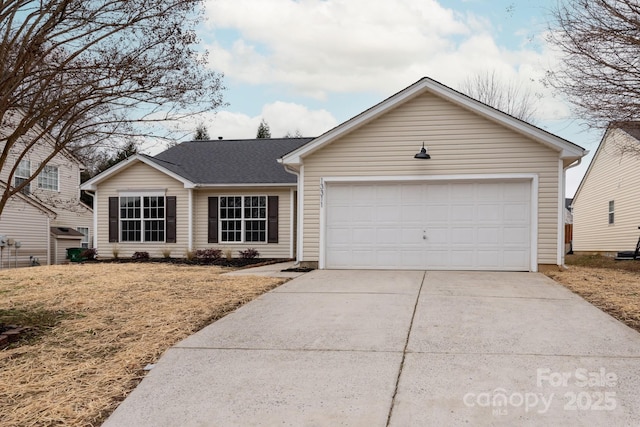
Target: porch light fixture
(423, 153)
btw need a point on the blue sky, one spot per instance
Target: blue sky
(308, 65)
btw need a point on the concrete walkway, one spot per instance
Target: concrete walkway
(377, 348)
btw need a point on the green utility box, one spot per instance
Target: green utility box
(75, 254)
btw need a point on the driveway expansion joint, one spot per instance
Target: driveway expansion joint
(404, 352)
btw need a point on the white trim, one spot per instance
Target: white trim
(190, 221)
(49, 241)
(322, 250)
(561, 208)
(457, 177)
(142, 193)
(95, 220)
(301, 215)
(564, 147)
(535, 189)
(533, 178)
(291, 221)
(92, 184)
(247, 185)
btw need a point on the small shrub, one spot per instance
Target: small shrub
(189, 255)
(140, 255)
(89, 254)
(228, 254)
(249, 253)
(209, 253)
(115, 251)
(166, 253)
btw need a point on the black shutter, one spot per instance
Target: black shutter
(171, 219)
(213, 220)
(114, 206)
(272, 219)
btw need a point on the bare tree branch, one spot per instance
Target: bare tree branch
(509, 97)
(600, 72)
(79, 74)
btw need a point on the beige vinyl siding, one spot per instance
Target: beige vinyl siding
(65, 202)
(141, 177)
(267, 250)
(59, 249)
(612, 176)
(459, 142)
(24, 222)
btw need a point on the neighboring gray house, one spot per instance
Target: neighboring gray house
(227, 194)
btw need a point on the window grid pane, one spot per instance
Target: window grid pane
(48, 178)
(23, 172)
(142, 219)
(611, 212)
(85, 236)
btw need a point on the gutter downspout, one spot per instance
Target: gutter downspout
(564, 180)
(299, 211)
(94, 207)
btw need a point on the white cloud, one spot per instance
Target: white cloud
(282, 117)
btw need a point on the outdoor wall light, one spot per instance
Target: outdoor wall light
(423, 153)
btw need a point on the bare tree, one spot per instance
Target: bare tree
(510, 97)
(78, 73)
(600, 69)
(295, 134)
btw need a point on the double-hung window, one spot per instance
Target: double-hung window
(243, 219)
(612, 214)
(48, 178)
(142, 218)
(23, 172)
(85, 236)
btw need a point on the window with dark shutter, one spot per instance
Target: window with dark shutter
(213, 220)
(171, 219)
(272, 219)
(114, 206)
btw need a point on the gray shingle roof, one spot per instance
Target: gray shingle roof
(240, 161)
(632, 128)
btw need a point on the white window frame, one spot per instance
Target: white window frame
(612, 212)
(243, 219)
(142, 217)
(85, 236)
(23, 165)
(45, 181)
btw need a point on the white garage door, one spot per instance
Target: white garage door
(438, 226)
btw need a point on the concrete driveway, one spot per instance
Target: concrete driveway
(377, 348)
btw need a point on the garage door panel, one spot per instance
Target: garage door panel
(515, 235)
(387, 213)
(488, 235)
(489, 212)
(426, 225)
(462, 235)
(463, 212)
(365, 236)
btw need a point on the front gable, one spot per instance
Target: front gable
(566, 150)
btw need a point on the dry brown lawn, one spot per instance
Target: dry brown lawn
(612, 286)
(111, 320)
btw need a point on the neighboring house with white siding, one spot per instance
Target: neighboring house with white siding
(48, 216)
(487, 193)
(606, 206)
(488, 196)
(223, 194)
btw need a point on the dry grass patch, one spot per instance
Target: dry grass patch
(114, 319)
(614, 291)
